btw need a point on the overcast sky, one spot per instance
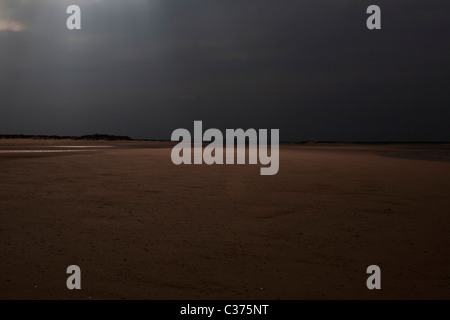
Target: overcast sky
(144, 68)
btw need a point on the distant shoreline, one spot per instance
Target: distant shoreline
(97, 137)
(92, 137)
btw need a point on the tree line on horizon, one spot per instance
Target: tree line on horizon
(56, 137)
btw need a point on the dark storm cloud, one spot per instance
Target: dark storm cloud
(144, 68)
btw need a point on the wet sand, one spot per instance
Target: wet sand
(140, 227)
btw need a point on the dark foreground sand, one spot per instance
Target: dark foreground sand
(141, 227)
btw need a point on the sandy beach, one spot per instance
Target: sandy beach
(141, 227)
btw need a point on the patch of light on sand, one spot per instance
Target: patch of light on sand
(81, 147)
(9, 25)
